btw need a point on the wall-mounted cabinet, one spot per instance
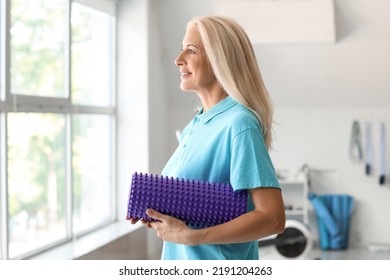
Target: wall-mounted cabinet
(283, 21)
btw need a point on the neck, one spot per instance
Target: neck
(210, 99)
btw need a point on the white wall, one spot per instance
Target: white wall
(142, 105)
(321, 138)
(132, 101)
(353, 72)
(317, 89)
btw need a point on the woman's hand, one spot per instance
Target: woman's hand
(134, 221)
(171, 229)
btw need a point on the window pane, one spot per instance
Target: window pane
(36, 177)
(91, 171)
(1, 58)
(91, 53)
(37, 47)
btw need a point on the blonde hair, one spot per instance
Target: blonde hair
(234, 63)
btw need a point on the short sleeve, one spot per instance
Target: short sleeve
(250, 165)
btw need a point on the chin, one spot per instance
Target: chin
(185, 88)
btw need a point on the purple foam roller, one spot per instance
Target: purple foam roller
(198, 203)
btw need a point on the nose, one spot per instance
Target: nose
(179, 59)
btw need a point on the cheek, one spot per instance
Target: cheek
(206, 70)
(209, 74)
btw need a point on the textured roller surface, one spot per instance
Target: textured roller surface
(198, 203)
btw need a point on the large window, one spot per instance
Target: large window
(57, 122)
(37, 47)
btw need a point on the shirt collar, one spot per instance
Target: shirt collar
(217, 109)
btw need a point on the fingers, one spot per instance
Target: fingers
(145, 222)
(156, 215)
(168, 228)
(135, 220)
(152, 214)
(132, 220)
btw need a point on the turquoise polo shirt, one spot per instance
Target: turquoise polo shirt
(222, 145)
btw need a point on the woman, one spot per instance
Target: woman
(226, 142)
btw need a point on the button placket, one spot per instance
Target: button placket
(190, 132)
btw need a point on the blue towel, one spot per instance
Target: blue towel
(333, 217)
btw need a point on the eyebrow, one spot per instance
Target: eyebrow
(191, 45)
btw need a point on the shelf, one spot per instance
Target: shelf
(295, 212)
(295, 194)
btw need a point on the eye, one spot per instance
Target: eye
(189, 50)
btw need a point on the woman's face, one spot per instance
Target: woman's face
(195, 68)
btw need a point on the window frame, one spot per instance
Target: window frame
(38, 104)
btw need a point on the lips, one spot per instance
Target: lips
(185, 74)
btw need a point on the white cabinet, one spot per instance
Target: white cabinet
(295, 197)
